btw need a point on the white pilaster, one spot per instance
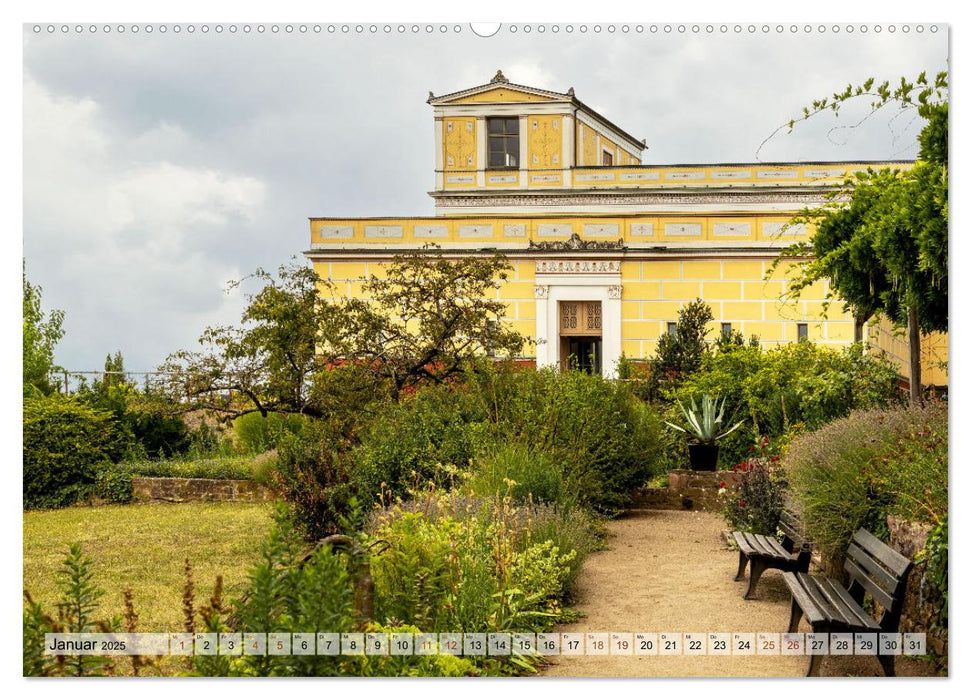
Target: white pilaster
(481, 156)
(523, 151)
(568, 151)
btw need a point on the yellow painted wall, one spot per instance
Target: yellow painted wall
(544, 133)
(933, 350)
(459, 144)
(500, 95)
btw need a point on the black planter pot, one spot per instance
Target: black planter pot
(703, 457)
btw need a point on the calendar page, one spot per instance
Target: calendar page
(610, 349)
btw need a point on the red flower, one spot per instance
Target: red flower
(741, 504)
(721, 485)
(775, 459)
(751, 449)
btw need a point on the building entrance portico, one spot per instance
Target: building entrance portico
(578, 314)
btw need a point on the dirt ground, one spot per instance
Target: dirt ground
(670, 571)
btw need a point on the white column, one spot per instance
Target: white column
(543, 339)
(610, 333)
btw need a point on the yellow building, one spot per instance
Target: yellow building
(604, 250)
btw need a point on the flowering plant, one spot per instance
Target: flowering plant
(753, 499)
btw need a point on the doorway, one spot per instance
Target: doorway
(581, 342)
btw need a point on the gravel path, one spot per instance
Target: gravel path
(670, 571)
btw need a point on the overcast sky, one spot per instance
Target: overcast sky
(157, 167)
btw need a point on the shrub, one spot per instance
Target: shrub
(215, 468)
(536, 474)
(855, 471)
(65, 441)
(408, 442)
(256, 433)
(113, 484)
(793, 384)
(606, 438)
(754, 496)
(313, 476)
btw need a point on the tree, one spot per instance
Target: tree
(680, 353)
(881, 237)
(41, 333)
(297, 352)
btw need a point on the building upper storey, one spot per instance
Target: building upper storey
(504, 148)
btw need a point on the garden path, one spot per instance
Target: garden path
(670, 571)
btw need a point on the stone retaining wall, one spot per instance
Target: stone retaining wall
(908, 538)
(178, 489)
(687, 489)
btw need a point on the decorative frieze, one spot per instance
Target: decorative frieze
(514, 230)
(541, 291)
(499, 179)
(615, 291)
(577, 267)
(577, 243)
(698, 175)
(547, 199)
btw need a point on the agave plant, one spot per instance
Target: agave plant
(705, 423)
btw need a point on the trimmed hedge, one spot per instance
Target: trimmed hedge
(66, 444)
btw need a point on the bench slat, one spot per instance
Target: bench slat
(853, 615)
(869, 585)
(894, 561)
(887, 581)
(798, 587)
(773, 547)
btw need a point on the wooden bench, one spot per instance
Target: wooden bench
(766, 552)
(873, 568)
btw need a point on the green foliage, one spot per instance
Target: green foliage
(313, 475)
(257, 433)
(425, 320)
(855, 471)
(113, 484)
(76, 611)
(606, 438)
(65, 444)
(800, 385)
(146, 426)
(882, 237)
(480, 570)
(681, 353)
(934, 582)
(535, 475)
(705, 423)
(214, 468)
(41, 334)
(406, 444)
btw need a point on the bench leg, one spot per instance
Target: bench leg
(742, 561)
(814, 661)
(755, 573)
(795, 616)
(887, 663)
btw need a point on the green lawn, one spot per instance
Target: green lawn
(144, 547)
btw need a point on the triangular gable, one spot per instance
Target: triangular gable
(501, 94)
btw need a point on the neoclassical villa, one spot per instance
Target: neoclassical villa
(604, 249)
